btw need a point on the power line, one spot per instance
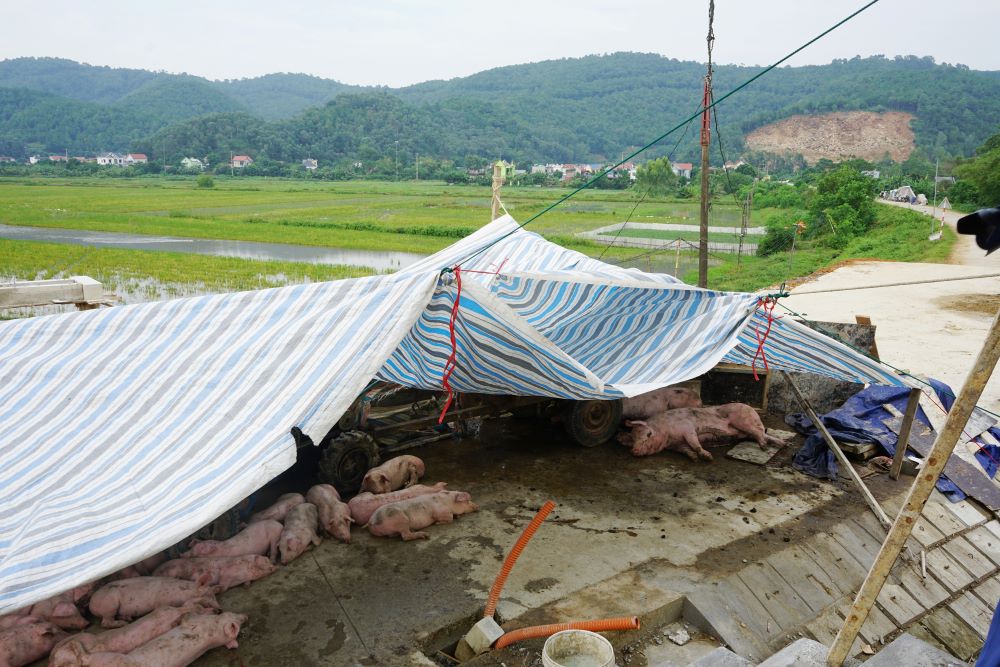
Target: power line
(666, 134)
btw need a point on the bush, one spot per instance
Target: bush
(780, 231)
(205, 181)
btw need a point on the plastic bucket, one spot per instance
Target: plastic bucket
(577, 648)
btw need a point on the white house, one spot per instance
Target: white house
(136, 158)
(240, 161)
(111, 160)
(192, 163)
(682, 169)
(310, 164)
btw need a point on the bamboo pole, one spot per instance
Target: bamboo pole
(838, 452)
(919, 492)
(904, 433)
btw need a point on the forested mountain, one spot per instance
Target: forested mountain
(581, 109)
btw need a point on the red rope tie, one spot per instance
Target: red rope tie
(449, 365)
(768, 303)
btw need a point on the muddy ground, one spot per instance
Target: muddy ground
(380, 601)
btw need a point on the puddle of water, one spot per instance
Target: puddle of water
(379, 260)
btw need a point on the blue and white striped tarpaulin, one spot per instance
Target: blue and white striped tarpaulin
(126, 429)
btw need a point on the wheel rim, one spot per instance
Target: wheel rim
(596, 417)
(352, 465)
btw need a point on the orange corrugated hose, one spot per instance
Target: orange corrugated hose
(600, 625)
(508, 563)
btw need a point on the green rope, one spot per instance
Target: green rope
(813, 325)
(666, 134)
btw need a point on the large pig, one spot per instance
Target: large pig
(258, 538)
(73, 651)
(685, 430)
(131, 598)
(27, 642)
(334, 515)
(299, 532)
(394, 474)
(180, 646)
(364, 504)
(279, 510)
(407, 517)
(17, 618)
(659, 400)
(223, 571)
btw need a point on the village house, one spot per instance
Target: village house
(192, 163)
(240, 161)
(136, 158)
(58, 158)
(310, 164)
(111, 160)
(7, 158)
(682, 169)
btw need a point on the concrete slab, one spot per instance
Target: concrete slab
(720, 657)
(751, 452)
(802, 653)
(912, 652)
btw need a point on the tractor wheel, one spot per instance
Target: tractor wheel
(591, 423)
(346, 459)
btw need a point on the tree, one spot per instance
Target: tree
(983, 172)
(844, 201)
(657, 176)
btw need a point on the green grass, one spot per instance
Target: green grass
(132, 270)
(687, 236)
(899, 235)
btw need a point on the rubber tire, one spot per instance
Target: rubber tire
(592, 423)
(346, 460)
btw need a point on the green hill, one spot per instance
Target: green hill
(580, 109)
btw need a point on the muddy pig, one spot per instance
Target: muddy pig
(257, 539)
(334, 515)
(280, 508)
(659, 400)
(395, 473)
(364, 504)
(131, 598)
(25, 643)
(61, 611)
(223, 571)
(72, 651)
(299, 532)
(407, 517)
(180, 646)
(686, 429)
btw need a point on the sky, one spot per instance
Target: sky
(397, 43)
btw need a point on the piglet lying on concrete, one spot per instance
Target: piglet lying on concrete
(394, 474)
(659, 400)
(364, 504)
(223, 571)
(257, 539)
(61, 611)
(131, 598)
(299, 532)
(73, 651)
(407, 517)
(334, 515)
(179, 647)
(24, 643)
(686, 429)
(279, 510)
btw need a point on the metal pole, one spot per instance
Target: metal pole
(904, 433)
(818, 423)
(919, 492)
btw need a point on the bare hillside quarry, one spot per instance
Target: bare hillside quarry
(838, 135)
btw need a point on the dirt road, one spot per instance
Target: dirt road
(966, 251)
(935, 328)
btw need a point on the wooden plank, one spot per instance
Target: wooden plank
(971, 609)
(989, 592)
(946, 570)
(978, 565)
(784, 604)
(800, 572)
(927, 591)
(942, 519)
(857, 542)
(899, 605)
(864, 319)
(925, 532)
(824, 627)
(923, 633)
(843, 572)
(968, 477)
(904, 433)
(876, 628)
(760, 621)
(965, 511)
(958, 637)
(993, 526)
(986, 542)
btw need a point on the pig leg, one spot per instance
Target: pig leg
(697, 451)
(412, 477)
(408, 535)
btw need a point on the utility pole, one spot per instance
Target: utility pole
(706, 132)
(418, 167)
(397, 158)
(498, 172)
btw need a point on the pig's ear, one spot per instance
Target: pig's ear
(384, 477)
(205, 579)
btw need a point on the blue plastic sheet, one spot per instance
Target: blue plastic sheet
(859, 420)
